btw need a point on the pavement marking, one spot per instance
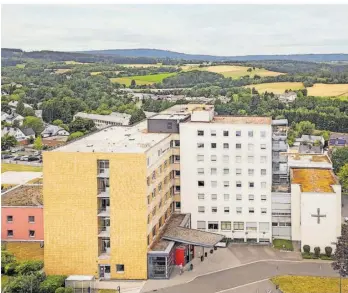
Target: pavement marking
(240, 286)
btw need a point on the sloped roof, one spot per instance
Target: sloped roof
(28, 131)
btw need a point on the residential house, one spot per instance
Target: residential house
(310, 144)
(338, 140)
(53, 130)
(288, 97)
(14, 104)
(10, 118)
(29, 132)
(20, 136)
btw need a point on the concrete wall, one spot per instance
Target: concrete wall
(162, 125)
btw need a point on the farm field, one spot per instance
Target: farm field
(276, 87)
(328, 90)
(75, 63)
(61, 71)
(303, 284)
(145, 65)
(142, 79)
(95, 72)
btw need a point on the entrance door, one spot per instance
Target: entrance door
(104, 272)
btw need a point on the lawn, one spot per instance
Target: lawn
(304, 284)
(142, 79)
(277, 87)
(328, 90)
(280, 243)
(18, 167)
(20, 65)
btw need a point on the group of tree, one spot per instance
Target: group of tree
(339, 159)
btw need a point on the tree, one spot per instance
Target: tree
(305, 127)
(75, 135)
(35, 123)
(38, 143)
(25, 283)
(52, 283)
(341, 254)
(20, 108)
(133, 84)
(57, 122)
(15, 124)
(29, 266)
(138, 115)
(8, 141)
(343, 176)
(250, 70)
(339, 158)
(81, 124)
(28, 112)
(6, 258)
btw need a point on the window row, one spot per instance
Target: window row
(31, 233)
(225, 171)
(251, 197)
(226, 133)
(31, 219)
(236, 226)
(238, 159)
(214, 184)
(226, 210)
(281, 224)
(226, 146)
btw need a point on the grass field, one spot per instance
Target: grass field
(328, 90)
(142, 79)
(303, 284)
(75, 63)
(20, 65)
(18, 167)
(62, 70)
(283, 243)
(145, 65)
(277, 87)
(95, 72)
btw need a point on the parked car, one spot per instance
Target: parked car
(33, 158)
(37, 153)
(24, 158)
(18, 158)
(6, 156)
(346, 219)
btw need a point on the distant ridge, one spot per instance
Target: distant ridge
(155, 53)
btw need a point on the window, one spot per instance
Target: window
(200, 158)
(263, 197)
(200, 132)
(201, 225)
(177, 143)
(31, 233)
(263, 184)
(9, 219)
(200, 145)
(226, 197)
(263, 159)
(225, 158)
(160, 186)
(239, 184)
(238, 210)
(263, 134)
(213, 132)
(201, 196)
(214, 210)
(238, 171)
(238, 159)
(250, 159)
(148, 181)
(213, 171)
(214, 184)
(226, 146)
(263, 227)
(213, 158)
(177, 205)
(250, 172)
(263, 211)
(177, 188)
(226, 171)
(238, 145)
(225, 132)
(177, 173)
(251, 226)
(251, 197)
(200, 171)
(238, 133)
(201, 209)
(250, 133)
(238, 197)
(213, 145)
(251, 184)
(263, 147)
(200, 183)
(250, 147)
(238, 226)
(213, 225)
(226, 183)
(274, 224)
(120, 268)
(263, 171)
(9, 233)
(214, 196)
(226, 226)
(31, 219)
(177, 158)
(251, 210)
(226, 210)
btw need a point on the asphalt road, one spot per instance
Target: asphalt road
(239, 276)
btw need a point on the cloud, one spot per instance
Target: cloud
(200, 29)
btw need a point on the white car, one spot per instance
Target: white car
(346, 219)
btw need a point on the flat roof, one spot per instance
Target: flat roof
(80, 278)
(116, 139)
(175, 116)
(184, 108)
(113, 117)
(313, 158)
(24, 195)
(314, 180)
(242, 120)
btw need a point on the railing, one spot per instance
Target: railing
(282, 147)
(103, 229)
(104, 192)
(280, 159)
(104, 210)
(103, 173)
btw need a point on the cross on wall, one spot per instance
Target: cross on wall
(318, 215)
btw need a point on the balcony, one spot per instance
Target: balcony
(104, 192)
(279, 135)
(280, 147)
(104, 211)
(104, 231)
(103, 173)
(280, 159)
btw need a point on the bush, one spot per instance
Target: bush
(75, 135)
(25, 283)
(6, 258)
(306, 256)
(52, 283)
(317, 251)
(69, 290)
(325, 257)
(60, 290)
(29, 266)
(328, 251)
(10, 269)
(306, 248)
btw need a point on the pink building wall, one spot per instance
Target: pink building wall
(20, 224)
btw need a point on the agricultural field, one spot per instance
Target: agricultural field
(74, 63)
(276, 87)
(328, 90)
(20, 65)
(145, 65)
(142, 79)
(61, 70)
(303, 284)
(95, 72)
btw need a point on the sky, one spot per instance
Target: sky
(225, 30)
